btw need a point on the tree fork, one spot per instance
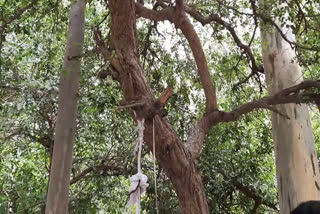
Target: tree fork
(172, 154)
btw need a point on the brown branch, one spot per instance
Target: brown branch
(165, 96)
(217, 19)
(147, 43)
(318, 104)
(104, 51)
(17, 15)
(307, 84)
(288, 95)
(254, 10)
(248, 192)
(99, 167)
(182, 22)
(162, 15)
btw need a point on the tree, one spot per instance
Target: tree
(295, 153)
(58, 192)
(178, 160)
(212, 158)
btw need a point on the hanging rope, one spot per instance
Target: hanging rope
(154, 165)
(138, 181)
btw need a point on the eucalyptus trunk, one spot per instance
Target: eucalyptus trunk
(295, 155)
(58, 192)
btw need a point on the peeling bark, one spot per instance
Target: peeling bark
(296, 158)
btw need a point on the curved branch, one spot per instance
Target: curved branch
(288, 95)
(182, 22)
(162, 15)
(217, 19)
(283, 34)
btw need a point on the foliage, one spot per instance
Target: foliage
(241, 153)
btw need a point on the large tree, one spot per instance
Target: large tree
(295, 153)
(189, 77)
(177, 159)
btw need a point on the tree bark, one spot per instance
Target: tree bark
(171, 153)
(58, 193)
(295, 154)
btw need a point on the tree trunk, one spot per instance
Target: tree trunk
(295, 154)
(171, 153)
(58, 193)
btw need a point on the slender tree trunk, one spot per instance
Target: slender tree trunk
(58, 193)
(295, 154)
(171, 153)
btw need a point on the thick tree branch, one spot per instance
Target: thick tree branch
(181, 21)
(297, 94)
(191, 35)
(162, 15)
(165, 96)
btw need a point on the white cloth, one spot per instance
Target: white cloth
(134, 190)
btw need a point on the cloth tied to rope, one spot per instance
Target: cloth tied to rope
(138, 182)
(138, 186)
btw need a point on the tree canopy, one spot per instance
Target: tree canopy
(235, 161)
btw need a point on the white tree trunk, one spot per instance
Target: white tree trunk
(58, 193)
(295, 154)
